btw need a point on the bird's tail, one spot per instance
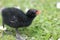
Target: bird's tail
(1, 9)
(1, 14)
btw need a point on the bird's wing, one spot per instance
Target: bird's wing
(20, 15)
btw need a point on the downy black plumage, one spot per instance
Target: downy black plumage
(16, 18)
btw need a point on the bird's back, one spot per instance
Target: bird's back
(14, 17)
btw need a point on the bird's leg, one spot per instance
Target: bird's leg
(18, 36)
(3, 27)
(6, 31)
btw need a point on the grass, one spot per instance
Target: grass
(44, 27)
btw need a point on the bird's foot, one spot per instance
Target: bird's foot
(19, 37)
(8, 32)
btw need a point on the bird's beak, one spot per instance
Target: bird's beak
(38, 12)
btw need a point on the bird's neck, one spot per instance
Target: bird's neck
(30, 18)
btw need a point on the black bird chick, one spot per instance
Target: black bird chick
(16, 18)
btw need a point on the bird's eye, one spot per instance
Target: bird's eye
(36, 10)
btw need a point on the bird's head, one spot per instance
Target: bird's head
(32, 12)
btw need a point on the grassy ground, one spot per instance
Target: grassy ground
(45, 26)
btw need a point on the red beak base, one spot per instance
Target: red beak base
(37, 12)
